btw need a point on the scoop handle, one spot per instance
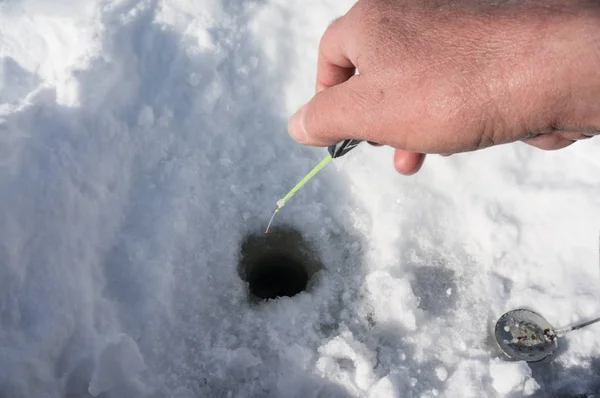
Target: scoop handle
(565, 330)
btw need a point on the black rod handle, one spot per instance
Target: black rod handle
(342, 148)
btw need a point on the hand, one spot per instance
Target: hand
(457, 75)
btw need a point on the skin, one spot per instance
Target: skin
(445, 77)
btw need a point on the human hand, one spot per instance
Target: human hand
(455, 76)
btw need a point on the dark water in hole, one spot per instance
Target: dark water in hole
(277, 275)
(281, 263)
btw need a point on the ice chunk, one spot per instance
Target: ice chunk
(384, 388)
(441, 373)
(346, 359)
(512, 377)
(120, 362)
(395, 299)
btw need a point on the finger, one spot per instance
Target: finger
(549, 142)
(408, 163)
(334, 65)
(335, 114)
(576, 135)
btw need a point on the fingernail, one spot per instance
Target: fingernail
(296, 125)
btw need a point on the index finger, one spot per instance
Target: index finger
(334, 65)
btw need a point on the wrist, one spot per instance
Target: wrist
(578, 73)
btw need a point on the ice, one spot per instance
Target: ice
(396, 302)
(383, 388)
(142, 140)
(119, 363)
(512, 378)
(441, 373)
(348, 361)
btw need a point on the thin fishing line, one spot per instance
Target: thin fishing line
(281, 202)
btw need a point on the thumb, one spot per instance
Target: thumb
(334, 114)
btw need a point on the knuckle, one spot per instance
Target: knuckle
(360, 98)
(334, 26)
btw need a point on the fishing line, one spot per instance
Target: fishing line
(335, 151)
(281, 202)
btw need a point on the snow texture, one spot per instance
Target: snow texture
(141, 141)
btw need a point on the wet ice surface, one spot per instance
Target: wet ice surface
(141, 142)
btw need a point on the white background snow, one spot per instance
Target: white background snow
(142, 140)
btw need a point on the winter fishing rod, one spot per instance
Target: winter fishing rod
(335, 151)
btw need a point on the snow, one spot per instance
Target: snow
(118, 365)
(141, 141)
(512, 377)
(441, 373)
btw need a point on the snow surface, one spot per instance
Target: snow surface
(142, 140)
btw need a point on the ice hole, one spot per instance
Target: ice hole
(276, 275)
(280, 264)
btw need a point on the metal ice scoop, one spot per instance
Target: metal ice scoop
(524, 335)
